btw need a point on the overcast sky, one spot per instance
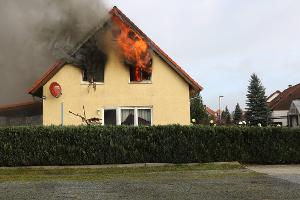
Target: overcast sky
(220, 43)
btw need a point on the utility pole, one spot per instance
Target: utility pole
(220, 108)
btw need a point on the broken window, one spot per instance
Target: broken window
(136, 50)
(94, 76)
(142, 75)
(91, 59)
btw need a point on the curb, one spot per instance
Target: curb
(134, 165)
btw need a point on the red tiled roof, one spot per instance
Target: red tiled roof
(285, 98)
(115, 11)
(210, 111)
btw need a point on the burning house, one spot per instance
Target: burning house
(115, 76)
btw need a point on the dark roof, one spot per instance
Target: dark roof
(285, 98)
(194, 86)
(31, 108)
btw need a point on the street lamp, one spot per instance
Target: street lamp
(220, 108)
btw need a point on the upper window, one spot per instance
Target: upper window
(137, 74)
(96, 75)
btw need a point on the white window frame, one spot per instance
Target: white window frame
(111, 108)
(119, 110)
(144, 108)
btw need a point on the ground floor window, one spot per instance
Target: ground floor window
(110, 117)
(144, 117)
(127, 116)
(130, 116)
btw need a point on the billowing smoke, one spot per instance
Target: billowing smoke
(35, 33)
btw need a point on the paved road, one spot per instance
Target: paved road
(286, 172)
(208, 185)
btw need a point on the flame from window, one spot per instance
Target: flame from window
(135, 50)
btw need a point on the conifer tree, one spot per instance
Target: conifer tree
(197, 109)
(226, 117)
(257, 109)
(238, 114)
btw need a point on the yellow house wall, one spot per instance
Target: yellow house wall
(167, 94)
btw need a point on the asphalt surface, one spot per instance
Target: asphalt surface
(211, 184)
(286, 172)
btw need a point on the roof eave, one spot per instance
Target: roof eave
(46, 77)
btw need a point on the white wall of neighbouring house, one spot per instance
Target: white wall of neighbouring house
(295, 122)
(280, 116)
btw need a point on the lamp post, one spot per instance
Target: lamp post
(220, 108)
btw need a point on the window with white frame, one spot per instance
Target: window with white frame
(130, 116)
(144, 116)
(127, 116)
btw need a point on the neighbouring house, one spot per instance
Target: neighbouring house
(273, 96)
(294, 114)
(280, 104)
(132, 82)
(211, 113)
(27, 113)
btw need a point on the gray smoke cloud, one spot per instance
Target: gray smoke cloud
(35, 33)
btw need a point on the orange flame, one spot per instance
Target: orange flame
(134, 48)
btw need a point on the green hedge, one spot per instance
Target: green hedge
(24, 146)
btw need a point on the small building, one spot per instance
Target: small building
(294, 114)
(119, 88)
(279, 104)
(27, 113)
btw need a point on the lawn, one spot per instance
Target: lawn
(108, 173)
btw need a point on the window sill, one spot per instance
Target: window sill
(88, 83)
(140, 82)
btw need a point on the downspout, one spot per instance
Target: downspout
(62, 113)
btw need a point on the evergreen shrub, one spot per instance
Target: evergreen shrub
(88, 145)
